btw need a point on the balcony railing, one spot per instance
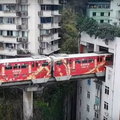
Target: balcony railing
(22, 13)
(21, 1)
(22, 27)
(22, 39)
(40, 1)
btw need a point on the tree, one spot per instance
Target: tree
(69, 31)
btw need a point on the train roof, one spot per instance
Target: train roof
(32, 58)
(61, 56)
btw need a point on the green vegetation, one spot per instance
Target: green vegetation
(104, 31)
(51, 104)
(10, 104)
(69, 32)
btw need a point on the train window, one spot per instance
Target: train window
(70, 61)
(16, 66)
(97, 59)
(100, 59)
(36, 64)
(45, 64)
(8, 67)
(33, 65)
(90, 60)
(78, 61)
(59, 63)
(109, 58)
(24, 66)
(84, 61)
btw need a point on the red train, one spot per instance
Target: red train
(41, 68)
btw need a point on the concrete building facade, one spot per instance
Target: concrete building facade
(98, 99)
(100, 11)
(29, 26)
(115, 12)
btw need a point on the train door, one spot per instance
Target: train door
(62, 69)
(100, 64)
(71, 66)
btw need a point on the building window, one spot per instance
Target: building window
(97, 86)
(1, 32)
(109, 14)
(88, 94)
(96, 114)
(94, 13)
(10, 7)
(89, 82)
(10, 20)
(0, 7)
(104, 118)
(46, 19)
(1, 20)
(101, 21)
(88, 108)
(106, 90)
(105, 105)
(9, 33)
(102, 13)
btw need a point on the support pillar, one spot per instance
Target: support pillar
(27, 105)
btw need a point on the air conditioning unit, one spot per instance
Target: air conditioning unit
(106, 114)
(40, 1)
(40, 26)
(18, 27)
(24, 13)
(19, 39)
(18, 13)
(40, 39)
(24, 40)
(40, 13)
(40, 51)
(118, 4)
(18, 1)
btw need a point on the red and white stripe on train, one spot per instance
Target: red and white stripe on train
(40, 69)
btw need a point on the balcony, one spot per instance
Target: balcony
(8, 49)
(22, 2)
(6, 26)
(45, 26)
(50, 49)
(22, 14)
(40, 39)
(48, 38)
(45, 13)
(22, 40)
(55, 25)
(48, 2)
(22, 27)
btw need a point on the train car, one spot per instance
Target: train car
(65, 66)
(37, 69)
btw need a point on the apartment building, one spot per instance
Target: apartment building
(115, 12)
(99, 10)
(29, 27)
(98, 99)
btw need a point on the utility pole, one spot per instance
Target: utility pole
(78, 83)
(78, 38)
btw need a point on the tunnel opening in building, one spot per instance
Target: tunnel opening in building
(103, 49)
